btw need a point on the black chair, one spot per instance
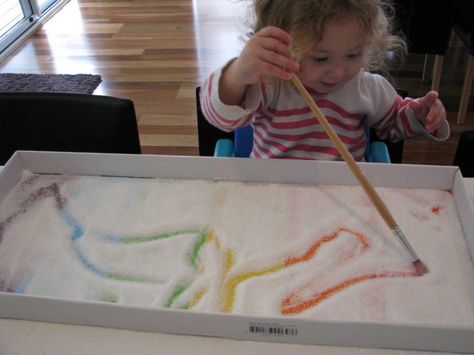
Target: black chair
(463, 26)
(66, 122)
(426, 25)
(208, 135)
(464, 157)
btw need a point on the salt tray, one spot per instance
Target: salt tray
(277, 210)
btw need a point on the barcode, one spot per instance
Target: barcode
(273, 330)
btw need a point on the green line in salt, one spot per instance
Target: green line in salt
(193, 255)
(109, 297)
(130, 278)
(176, 293)
(148, 238)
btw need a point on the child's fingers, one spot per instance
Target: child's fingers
(276, 40)
(263, 66)
(418, 108)
(434, 110)
(435, 116)
(276, 33)
(279, 60)
(274, 45)
(430, 110)
(268, 53)
(279, 72)
(429, 99)
(422, 106)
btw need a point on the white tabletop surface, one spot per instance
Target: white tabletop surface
(27, 337)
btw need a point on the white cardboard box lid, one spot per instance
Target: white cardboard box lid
(294, 330)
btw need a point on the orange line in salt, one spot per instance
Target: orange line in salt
(290, 305)
(311, 251)
(231, 286)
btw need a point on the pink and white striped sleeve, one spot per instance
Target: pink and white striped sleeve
(394, 118)
(228, 117)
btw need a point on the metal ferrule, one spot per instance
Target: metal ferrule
(398, 232)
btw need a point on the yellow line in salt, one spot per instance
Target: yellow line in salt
(231, 285)
(210, 237)
(197, 297)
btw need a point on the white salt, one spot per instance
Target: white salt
(257, 249)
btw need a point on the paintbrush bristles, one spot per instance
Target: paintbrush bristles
(420, 267)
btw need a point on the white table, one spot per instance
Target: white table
(27, 337)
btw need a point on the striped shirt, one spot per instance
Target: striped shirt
(285, 127)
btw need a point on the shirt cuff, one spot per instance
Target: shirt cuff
(234, 112)
(441, 134)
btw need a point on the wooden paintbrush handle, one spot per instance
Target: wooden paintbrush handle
(356, 170)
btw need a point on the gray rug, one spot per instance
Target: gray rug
(69, 83)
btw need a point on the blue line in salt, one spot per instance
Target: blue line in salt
(77, 233)
(21, 288)
(76, 227)
(113, 238)
(86, 262)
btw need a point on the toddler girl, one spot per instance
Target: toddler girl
(331, 45)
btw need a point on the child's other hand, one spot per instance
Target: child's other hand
(429, 110)
(267, 52)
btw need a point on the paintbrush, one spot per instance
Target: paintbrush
(384, 212)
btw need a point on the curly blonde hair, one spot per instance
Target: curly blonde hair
(305, 20)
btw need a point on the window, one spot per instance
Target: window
(17, 16)
(44, 5)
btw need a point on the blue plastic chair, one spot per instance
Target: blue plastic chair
(376, 152)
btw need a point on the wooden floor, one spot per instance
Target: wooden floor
(157, 52)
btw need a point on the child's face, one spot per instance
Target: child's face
(337, 58)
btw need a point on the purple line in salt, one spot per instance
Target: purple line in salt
(29, 180)
(45, 192)
(4, 287)
(42, 193)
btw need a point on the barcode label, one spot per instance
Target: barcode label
(272, 329)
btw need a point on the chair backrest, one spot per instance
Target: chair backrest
(463, 23)
(426, 24)
(464, 157)
(66, 122)
(208, 135)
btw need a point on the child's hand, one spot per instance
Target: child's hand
(267, 52)
(429, 110)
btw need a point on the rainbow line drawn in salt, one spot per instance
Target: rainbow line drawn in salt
(295, 303)
(53, 191)
(292, 304)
